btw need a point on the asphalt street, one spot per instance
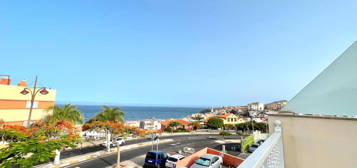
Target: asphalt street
(137, 155)
(71, 153)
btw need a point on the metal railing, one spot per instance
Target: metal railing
(269, 154)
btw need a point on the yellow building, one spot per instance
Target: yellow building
(230, 119)
(14, 106)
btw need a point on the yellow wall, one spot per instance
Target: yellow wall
(10, 92)
(22, 114)
(14, 104)
(228, 120)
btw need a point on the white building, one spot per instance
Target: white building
(132, 123)
(256, 106)
(150, 124)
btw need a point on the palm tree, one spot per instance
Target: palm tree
(68, 112)
(110, 114)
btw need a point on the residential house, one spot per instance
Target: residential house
(231, 119)
(150, 124)
(132, 123)
(256, 106)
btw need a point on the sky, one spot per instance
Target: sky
(175, 53)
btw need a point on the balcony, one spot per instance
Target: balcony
(269, 154)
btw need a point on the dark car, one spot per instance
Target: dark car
(260, 142)
(155, 159)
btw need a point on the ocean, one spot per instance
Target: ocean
(142, 112)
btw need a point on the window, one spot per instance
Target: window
(214, 160)
(28, 104)
(172, 159)
(151, 155)
(203, 162)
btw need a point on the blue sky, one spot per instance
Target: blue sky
(177, 52)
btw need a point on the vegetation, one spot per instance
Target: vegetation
(215, 123)
(229, 127)
(247, 126)
(109, 114)
(168, 129)
(182, 130)
(174, 125)
(225, 133)
(247, 141)
(35, 144)
(111, 120)
(196, 125)
(68, 113)
(197, 117)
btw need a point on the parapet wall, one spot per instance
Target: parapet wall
(317, 141)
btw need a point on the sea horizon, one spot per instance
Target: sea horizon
(142, 112)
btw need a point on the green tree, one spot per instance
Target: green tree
(175, 124)
(110, 114)
(196, 125)
(68, 113)
(215, 123)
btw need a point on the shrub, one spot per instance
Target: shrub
(168, 129)
(229, 126)
(225, 133)
(181, 130)
(247, 126)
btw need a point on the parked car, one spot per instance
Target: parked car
(155, 159)
(260, 142)
(118, 140)
(172, 160)
(208, 161)
(253, 147)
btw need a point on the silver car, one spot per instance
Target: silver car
(172, 160)
(208, 161)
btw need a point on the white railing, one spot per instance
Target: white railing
(269, 154)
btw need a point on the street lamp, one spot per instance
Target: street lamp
(33, 92)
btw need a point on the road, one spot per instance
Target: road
(137, 155)
(75, 152)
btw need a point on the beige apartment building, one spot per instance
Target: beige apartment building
(318, 127)
(15, 106)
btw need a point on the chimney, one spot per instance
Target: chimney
(5, 81)
(22, 83)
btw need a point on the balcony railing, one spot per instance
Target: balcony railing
(269, 154)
